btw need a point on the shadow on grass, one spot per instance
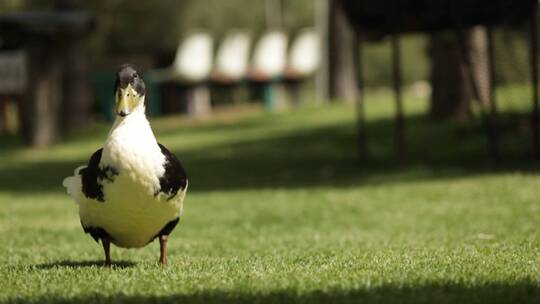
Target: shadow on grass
(524, 292)
(323, 157)
(86, 264)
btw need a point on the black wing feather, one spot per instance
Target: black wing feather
(175, 177)
(89, 176)
(167, 229)
(96, 233)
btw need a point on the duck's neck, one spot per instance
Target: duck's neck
(132, 132)
(131, 137)
(136, 119)
(131, 147)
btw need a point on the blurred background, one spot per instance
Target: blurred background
(464, 61)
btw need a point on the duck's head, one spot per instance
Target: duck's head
(129, 90)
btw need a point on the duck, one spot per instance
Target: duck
(132, 190)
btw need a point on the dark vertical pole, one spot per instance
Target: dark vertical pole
(360, 112)
(493, 134)
(534, 70)
(322, 23)
(396, 83)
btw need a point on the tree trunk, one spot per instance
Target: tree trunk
(343, 71)
(477, 43)
(41, 106)
(459, 73)
(3, 115)
(451, 94)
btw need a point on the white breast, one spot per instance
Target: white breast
(133, 151)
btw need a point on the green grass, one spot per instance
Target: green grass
(281, 210)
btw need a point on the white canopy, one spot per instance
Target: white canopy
(194, 57)
(270, 55)
(193, 61)
(233, 55)
(304, 56)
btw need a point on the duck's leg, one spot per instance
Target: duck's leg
(106, 247)
(163, 249)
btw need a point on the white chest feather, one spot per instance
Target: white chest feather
(133, 151)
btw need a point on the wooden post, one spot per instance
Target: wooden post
(269, 96)
(534, 71)
(360, 112)
(493, 133)
(322, 18)
(399, 136)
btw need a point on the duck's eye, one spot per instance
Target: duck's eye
(135, 75)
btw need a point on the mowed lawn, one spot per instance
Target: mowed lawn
(280, 209)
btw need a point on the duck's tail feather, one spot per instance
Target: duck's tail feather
(73, 184)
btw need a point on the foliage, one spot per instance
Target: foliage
(511, 58)
(8, 5)
(152, 27)
(280, 210)
(512, 55)
(377, 69)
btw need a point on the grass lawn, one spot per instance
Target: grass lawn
(281, 210)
